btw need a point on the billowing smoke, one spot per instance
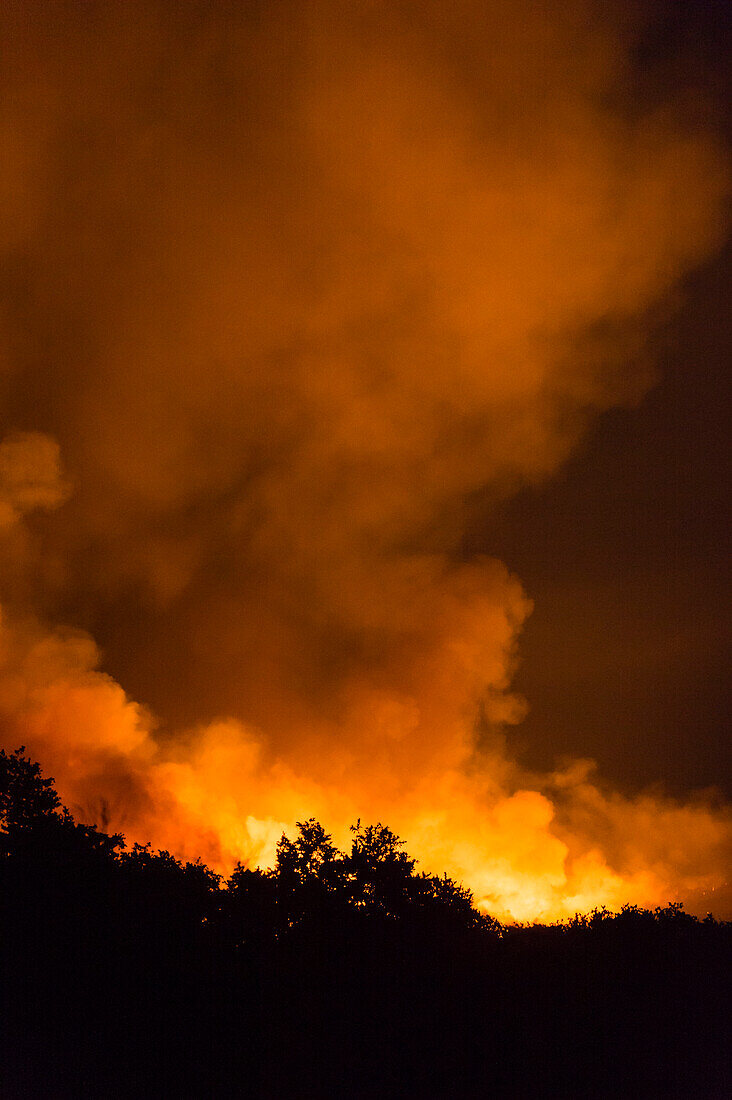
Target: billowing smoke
(290, 285)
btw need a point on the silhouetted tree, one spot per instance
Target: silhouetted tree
(379, 869)
(25, 796)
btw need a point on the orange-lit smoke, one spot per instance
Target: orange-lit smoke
(290, 287)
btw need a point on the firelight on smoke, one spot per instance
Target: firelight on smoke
(290, 289)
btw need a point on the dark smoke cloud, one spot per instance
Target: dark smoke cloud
(288, 284)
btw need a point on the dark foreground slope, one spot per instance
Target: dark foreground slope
(127, 974)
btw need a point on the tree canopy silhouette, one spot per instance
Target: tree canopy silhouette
(126, 973)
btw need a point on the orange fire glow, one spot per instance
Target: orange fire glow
(285, 332)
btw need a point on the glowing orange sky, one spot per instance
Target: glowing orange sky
(291, 286)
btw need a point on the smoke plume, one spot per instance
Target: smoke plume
(289, 287)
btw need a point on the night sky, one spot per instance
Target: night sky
(625, 654)
(625, 551)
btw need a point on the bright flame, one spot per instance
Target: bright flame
(527, 852)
